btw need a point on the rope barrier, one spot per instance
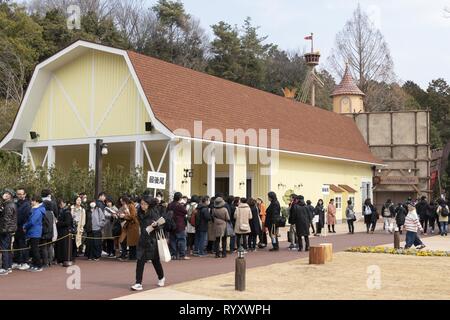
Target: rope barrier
(41, 245)
(59, 239)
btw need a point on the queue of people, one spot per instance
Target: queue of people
(42, 231)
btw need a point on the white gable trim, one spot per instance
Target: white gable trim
(40, 80)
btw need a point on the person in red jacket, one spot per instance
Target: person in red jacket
(178, 237)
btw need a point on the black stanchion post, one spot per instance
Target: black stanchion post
(239, 279)
(396, 239)
(69, 251)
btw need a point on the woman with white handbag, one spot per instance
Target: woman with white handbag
(147, 248)
(243, 215)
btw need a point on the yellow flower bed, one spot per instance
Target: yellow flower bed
(390, 250)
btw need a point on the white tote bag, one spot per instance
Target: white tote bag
(163, 248)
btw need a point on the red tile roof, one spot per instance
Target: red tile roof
(335, 188)
(347, 188)
(179, 96)
(347, 85)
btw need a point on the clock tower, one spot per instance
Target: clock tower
(347, 97)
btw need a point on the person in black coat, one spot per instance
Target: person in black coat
(400, 216)
(147, 248)
(255, 225)
(431, 215)
(319, 211)
(201, 226)
(422, 208)
(311, 214)
(370, 215)
(301, 217)
(64, 225)
(272, 211)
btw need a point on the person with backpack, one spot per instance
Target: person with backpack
(443, 213)
(400, 215)
(64, 225)
(412, 225)
(178, 236)
(33, 230)
(147, 248)
(190, 228)
(350, 216)
(388, 213)
(46, 245)
(8, 225)
(202, 218)
(370, 215)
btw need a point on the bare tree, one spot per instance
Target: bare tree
(12, 76)
(363, 47)
(447, 12)
(136, 21)
(102, 8)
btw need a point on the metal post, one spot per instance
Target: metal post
(240, 266)
(98, 166)
(396, 238)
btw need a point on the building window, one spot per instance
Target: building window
(352, 199)
(338, 201)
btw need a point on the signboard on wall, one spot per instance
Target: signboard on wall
(398, 180)
(325, 189)
(156, 180)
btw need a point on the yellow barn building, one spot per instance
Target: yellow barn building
(207, 134)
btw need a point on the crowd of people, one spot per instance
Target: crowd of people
(47, 231)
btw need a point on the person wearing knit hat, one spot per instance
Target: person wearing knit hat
(220, 218)
(412, 225)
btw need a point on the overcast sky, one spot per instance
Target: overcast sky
(417, 31)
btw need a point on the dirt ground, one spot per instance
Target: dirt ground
(349, 276)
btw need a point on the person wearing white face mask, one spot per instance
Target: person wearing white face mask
(95, 221)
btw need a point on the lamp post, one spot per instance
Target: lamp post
(101, 150)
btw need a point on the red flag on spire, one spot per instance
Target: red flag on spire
(308, 38)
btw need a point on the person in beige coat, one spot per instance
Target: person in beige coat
(221, 217)
(331, 216)
(79, 220)
(243, 215)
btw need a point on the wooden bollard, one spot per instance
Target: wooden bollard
(239, 276)
(317, 255)
(396, 239)
(328, 251)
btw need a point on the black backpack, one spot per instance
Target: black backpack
(444, 211)
(169, 225)
(47, 225)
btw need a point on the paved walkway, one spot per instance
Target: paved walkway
(109, 279)
(437, 243)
